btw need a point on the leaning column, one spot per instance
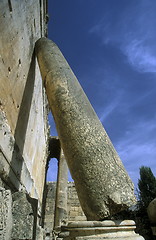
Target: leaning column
(102, 184)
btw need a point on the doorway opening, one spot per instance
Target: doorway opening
(52, 170)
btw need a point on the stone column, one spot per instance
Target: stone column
(102, 184)
(55, 151)
(61, 192)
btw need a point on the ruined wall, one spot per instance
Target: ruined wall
(74, 209)
(50, 208)
(23, 123)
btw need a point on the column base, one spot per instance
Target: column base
(108, 230)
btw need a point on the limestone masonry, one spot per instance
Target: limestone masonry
(74, 210)
(23, 116)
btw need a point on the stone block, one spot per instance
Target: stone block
(40, 234)
(5, 214)
(96, 230)
(151, 210)
(23, 112)
(23, 217)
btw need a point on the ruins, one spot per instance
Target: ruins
(102, 184)
(34, 77)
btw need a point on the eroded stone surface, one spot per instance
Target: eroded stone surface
(61, 192)
(5, 214)
(102, 183)
(111, 230)
(50, 207)
(23, 217)
(151, 210)
(75, 212)
(23, 123)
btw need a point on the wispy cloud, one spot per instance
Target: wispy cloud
(140, 56)
(115, 74)
(111, 106)
(108, 110)
(133, 33)
(137, 148)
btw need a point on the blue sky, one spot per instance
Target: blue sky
(111, 47)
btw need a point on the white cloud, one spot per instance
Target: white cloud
(139, 55)
(133, 33)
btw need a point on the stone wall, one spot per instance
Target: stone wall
(23, 123)
(50, 207)
(5, 214)
(18, 217)
(24, 131)
(74, 209)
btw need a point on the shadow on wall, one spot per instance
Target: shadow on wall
(21, 126)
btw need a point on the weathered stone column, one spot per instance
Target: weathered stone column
(61, 192)
(101, 181)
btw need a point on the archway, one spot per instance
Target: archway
(52, 170)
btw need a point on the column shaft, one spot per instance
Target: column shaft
(61, 192)
(101, 181)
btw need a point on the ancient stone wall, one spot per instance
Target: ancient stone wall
(5, 214)
(50, 207)
(23, 119)
(23, 129)
(18, 217)
(74, 209)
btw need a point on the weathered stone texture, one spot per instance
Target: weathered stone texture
(61, 192)
(151, 210)
(75, 212)
(50, 208)
(109, 230)
(18, 217)
(23, 130)
(23, 217)
(24, 213)
(102, 184)
(5, 214)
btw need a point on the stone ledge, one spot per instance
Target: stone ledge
(80, 224)
(110, 230)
